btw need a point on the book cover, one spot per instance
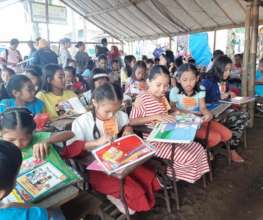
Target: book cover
(181, 131)
(122, 153)
(239, 100)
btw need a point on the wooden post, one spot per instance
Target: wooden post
(214, 46)
(47, 18)
(253, 57)
(244, 76)
(170, 43)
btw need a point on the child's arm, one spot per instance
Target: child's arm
(153, 118)
(207, 115)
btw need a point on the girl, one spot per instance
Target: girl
(99, 77)
(126, 71)
(34, 74)
(99, 127)
(216, 86)
(190, 160)
(72, 81)
(53, 93)
(6, 75)
(22, 91)
(167, 59)
(82, 58)
(188, 96)
(137, 82)
(17, 127)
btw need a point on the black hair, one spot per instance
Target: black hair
(95, 72)
(127, 60)
(169, 56)
(144, 57)
(178, 61)
(149, 61)
(218, 68)
(34, 70)
(139, 64)
(191, 60)
(102, 57)
(10, 71)
(217, 53)
(16, 83)
(158, 70)
(48, 74)
(156, 60)
(183, 68)
(107, 91)
(10, 162)
(91, 65)
(104, 41)
(14, 41)
(17, 118)
(79, 44)
(115, 61)
(70, 69)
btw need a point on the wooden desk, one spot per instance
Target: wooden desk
(59, 198)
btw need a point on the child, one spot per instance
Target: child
(190, 160)
(71, 81)
(22, 91)
(102, 63)
(6, 75)
(149, 64)
(216, 86)
(10, 162)
(137, 82)
(99, 77)
(99, 127)
(17, 127)
(126, 71)
(82, 58)
(188, 96)
(115, 71)
(34, 74)
(53, 93)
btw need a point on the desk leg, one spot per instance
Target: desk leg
(245, 138)
(174, 178)
(123, 200)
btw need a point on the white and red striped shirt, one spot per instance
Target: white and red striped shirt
(190, 160)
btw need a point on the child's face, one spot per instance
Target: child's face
(27, 93)
(18, 137)
(188, 81)
(140, 73)
(58, 80)
(106, 109)
(100, 82)
(5, 76)
(102, 64)
(159, 85)
(149, 66)
(69, 77)
(115, 66)
(34, 79)
(227, 71)
(82, 48)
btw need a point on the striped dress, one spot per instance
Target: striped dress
(190, 160)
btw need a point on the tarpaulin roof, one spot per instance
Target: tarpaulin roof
(145, 19)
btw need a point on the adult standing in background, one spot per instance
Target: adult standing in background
(10, 57)
(103, 49)
(82, 58)
(64, 54)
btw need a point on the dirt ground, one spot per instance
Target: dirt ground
(236, 192)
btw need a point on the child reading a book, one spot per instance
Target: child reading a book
(53, 93)
(137, 82)
(10, 162)
(100, 126)
(216, 85)
(188, 96)
(22, 91)
(151, 107)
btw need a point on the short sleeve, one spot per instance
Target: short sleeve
(173, 96)
(138, 110)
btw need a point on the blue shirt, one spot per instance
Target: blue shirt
(36, 106)
(33, 213)
(185, 102)
(259, 88)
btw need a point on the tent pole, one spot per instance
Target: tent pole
(170, 43)
(214, 45)
(253, 57)
(47, 19)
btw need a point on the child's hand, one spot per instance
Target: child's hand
(40, 150)
(164, 118)
(207, 117)
(104, 140)
(225, 95)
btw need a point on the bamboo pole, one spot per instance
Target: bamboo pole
(47, 19)
(214, 45)
(253, 57)
(244, 76)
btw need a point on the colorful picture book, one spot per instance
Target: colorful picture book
(239, 100)
(122, 153)
(72, 106)
(181, 131)
(38, 179)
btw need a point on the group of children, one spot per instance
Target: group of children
(148, 87)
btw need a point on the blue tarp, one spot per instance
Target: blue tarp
(199, 48)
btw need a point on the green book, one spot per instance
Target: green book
(38, 179)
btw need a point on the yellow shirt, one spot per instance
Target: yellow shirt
(51, 101)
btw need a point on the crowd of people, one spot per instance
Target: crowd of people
(119, 95)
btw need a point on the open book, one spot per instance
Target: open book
(239, 100)
(122, 154)
(38, 179)
(181, 131)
